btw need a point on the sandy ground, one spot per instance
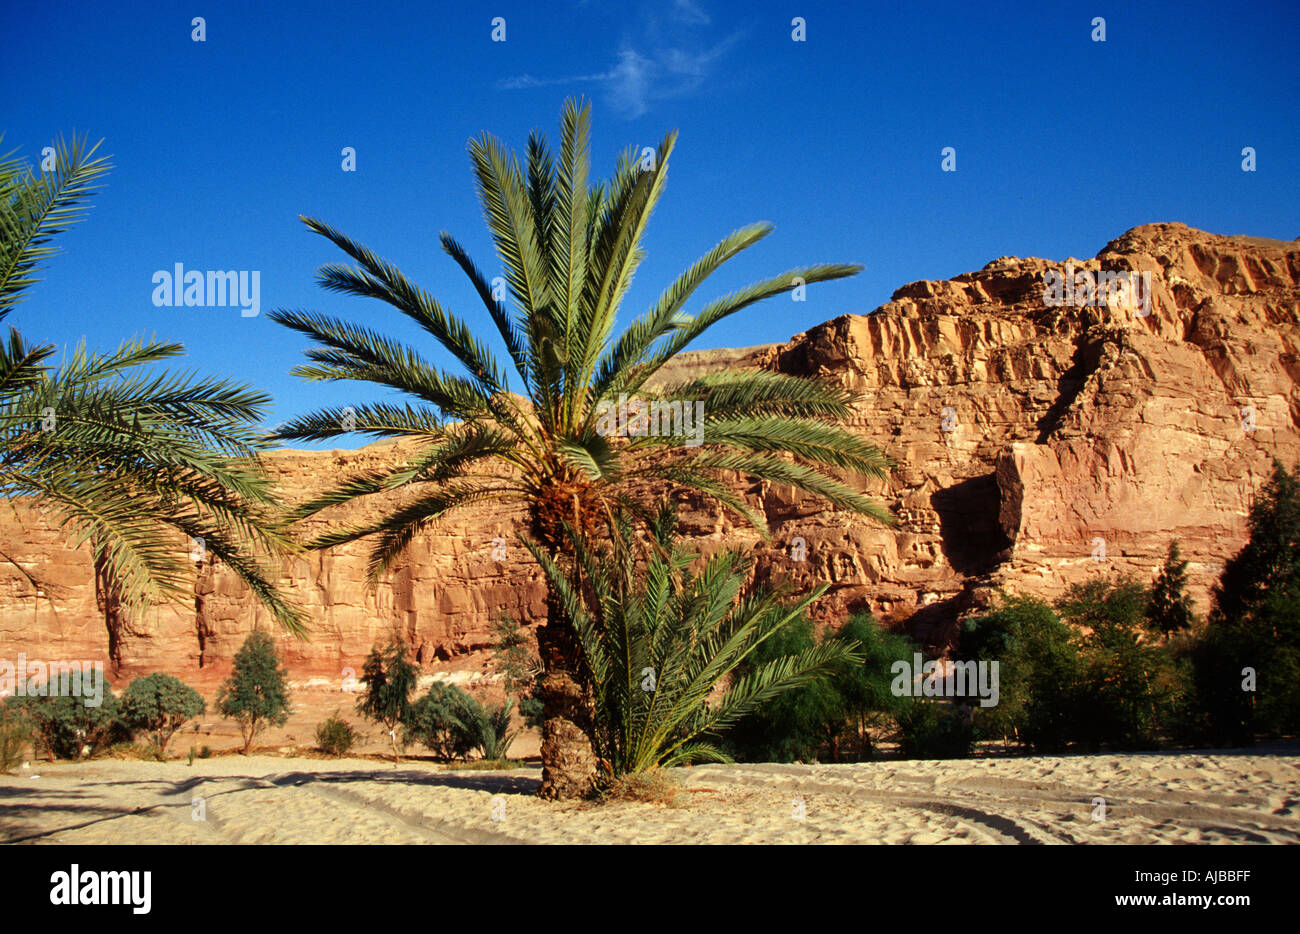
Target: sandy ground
(1212, 797)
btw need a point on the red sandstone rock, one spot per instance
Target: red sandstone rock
(1022, 434)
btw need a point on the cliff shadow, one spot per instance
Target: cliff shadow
(1086, 357)
(971, 537)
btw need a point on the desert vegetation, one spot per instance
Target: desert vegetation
(652, 654)
(148, 467)
(257, 693)
(1113, 664)
(569, 248)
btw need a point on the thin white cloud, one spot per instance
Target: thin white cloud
(688, 12)
(637, 80)
(628, 85)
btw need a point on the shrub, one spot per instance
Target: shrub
(490, 729)
(16, 735)
(795, 725)
(63, 726)
(1125, 688)
(865, 689)
(656, 786)
(335, 736)
(930, 729)
(1038, 668)
(1103, 604)
(834, 715)
(443, 720)
(390, 678)
(159, 705)
(256, 694)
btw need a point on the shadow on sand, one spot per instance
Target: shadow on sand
(21, 805)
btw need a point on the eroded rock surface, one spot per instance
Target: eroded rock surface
(1030, 441)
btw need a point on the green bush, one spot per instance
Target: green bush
(159, 705)
(1038, 669)
(833, 716)
(443, 720)
(256, 694)
(64, 727)
(796, 725)
(1126, 688)
(1098, 681)
(929, 729)
(335, 736)
(490, 729)
(865, 689)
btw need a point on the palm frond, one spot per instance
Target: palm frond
(34, 208)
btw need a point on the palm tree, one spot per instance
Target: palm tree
(568, 251)
(149, 468)
(657, 639)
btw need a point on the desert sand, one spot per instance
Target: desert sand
(1171, 797)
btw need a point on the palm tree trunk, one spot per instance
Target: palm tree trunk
(568, 756)
(107, 596)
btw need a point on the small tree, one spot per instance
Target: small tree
(256, 694)
(1127, 688)
(159, 705)
(1038, 666)
(865, 688)
(1169, 609)
(832, 715)
(390, 678)
(796, 724)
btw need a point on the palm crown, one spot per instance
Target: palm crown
(568, 250)
(147, 467)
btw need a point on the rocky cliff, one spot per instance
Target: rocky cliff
(1038, 440)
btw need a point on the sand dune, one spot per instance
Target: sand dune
(1210, 797)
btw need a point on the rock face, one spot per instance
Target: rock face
(1035, 445)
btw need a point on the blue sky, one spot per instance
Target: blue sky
(1062, 144)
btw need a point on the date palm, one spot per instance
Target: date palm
(568, 250)
(148, 468)
(658, 638)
